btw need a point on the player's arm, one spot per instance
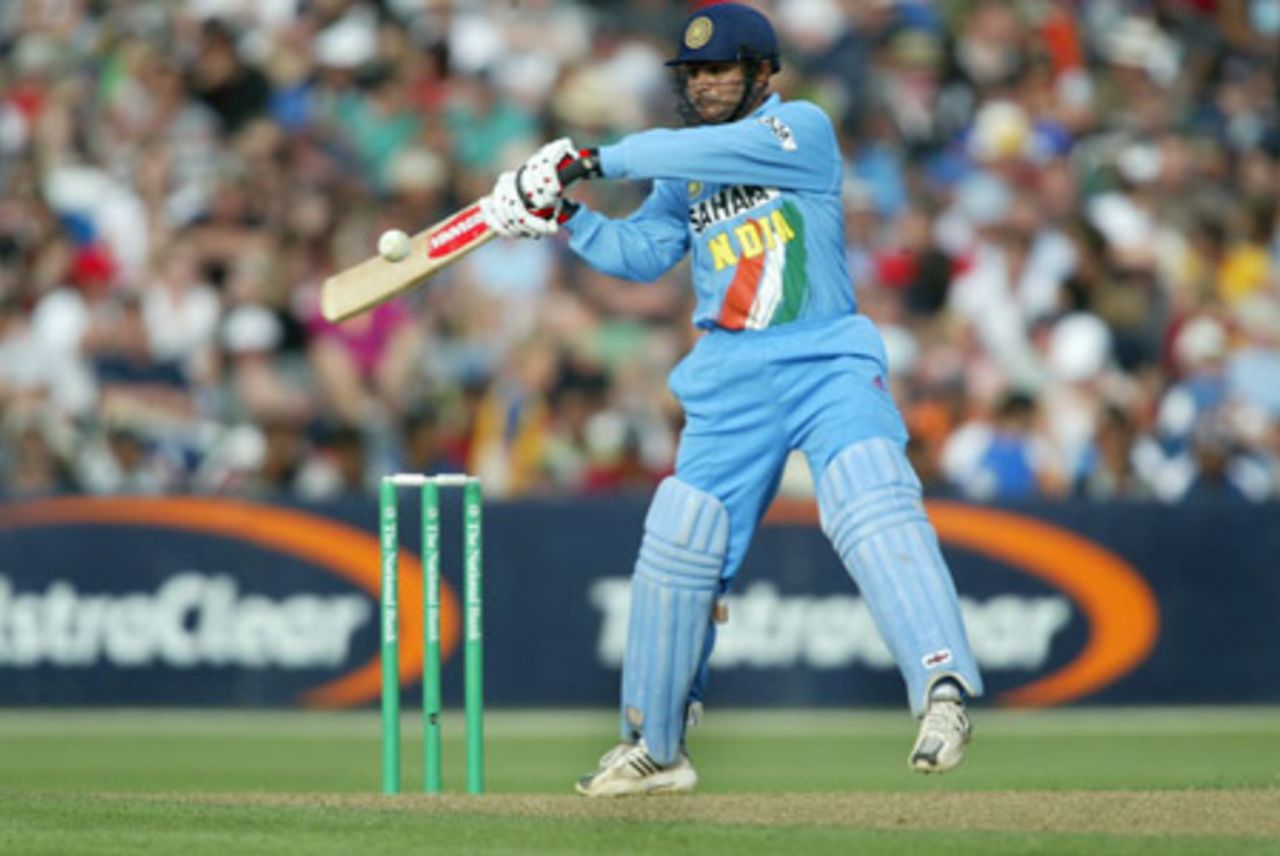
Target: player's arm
(640, 247)
(793, 147)
(529, 202)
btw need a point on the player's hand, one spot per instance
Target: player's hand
(540, 179)
(507, 214)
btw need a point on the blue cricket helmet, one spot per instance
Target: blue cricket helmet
(727, 32)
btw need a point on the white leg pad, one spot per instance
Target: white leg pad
(673, 592)
(871, 508)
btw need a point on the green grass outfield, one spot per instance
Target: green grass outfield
(1158, 781)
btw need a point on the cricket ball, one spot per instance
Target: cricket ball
(393, 245)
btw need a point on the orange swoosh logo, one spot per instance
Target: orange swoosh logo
(346, 551)
(1122, 612)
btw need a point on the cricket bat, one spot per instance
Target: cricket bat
(363, 286)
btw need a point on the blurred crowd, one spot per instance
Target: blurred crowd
(1061, 213)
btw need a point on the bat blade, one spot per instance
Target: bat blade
(363, 286)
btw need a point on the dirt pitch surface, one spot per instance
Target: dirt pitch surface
(1243, 813)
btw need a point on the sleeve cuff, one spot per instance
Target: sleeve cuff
(574, 219)
(613, 162)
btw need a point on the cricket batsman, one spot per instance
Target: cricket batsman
(752, 188)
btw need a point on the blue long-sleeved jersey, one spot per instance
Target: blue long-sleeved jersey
(758, 201)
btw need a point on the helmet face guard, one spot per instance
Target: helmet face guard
(726, 33)
(752, 89)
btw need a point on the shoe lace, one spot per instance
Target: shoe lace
(946, 716)
(615, 753)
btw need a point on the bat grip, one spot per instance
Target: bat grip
(571, 172)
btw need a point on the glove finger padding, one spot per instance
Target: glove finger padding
(539, 179)
(505, 212)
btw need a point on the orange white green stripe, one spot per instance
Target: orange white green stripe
(770, 285)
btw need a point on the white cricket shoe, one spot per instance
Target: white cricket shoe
(944, 732)
(628, 769)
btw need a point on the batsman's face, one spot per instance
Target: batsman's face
(714, 88)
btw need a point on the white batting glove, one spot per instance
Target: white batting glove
(538, 179)
(505, 213)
